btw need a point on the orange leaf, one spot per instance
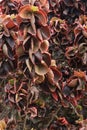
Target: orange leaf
(2, 125)
(25, 12)
(79, 74)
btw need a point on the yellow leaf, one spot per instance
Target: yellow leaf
(34, 8)
(57, 19)
(2, 125)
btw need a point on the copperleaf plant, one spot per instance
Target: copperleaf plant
(43, 64)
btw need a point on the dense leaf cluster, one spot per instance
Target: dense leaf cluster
(43, 64)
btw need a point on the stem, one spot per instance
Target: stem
(24, 127)
(53, 117)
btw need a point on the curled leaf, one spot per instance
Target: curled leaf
(43, 33)
(35, 44)
(47, 58)
(7, 52)
(25, 12)
(39, 79)
(41, 17)
(55, 96)
(71, 52)
(32, 111)
(82, 48)
(10, 42)
(57, 74)
(41, 68)
(29, 65)
(33, 94)
(44, 46)
(73, 83)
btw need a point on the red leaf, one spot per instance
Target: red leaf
(55, 96)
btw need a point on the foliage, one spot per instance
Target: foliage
(43, 64)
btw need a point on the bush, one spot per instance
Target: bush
(43, 64)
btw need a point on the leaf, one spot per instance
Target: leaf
(17, 98)
(7, 67)
(26, 44)
(73, 83)
(3, 73)
(34, 8)
(53, 62)
(12, 25)
(31, 56)
(52, 87)
(77, 31)
(43, 2)
(18, 19)
(57, 74)
(26, 11)
(5, 49)
(2, 124)
(18, 1)
(79, 74)
(50, 75)
(41, 68)
(11, 82)
(32, 2)
(47, 58)
(55, 96)
(82, 48)
(84, 59)
(84, 31)
(19, 50)
(11, 98)
(24, 91)
(33, 112)
(62, 121)
(41, 17)
(29, 65)
(6, 32)
(39, 79)
(44, 46)
(33, 94)
(35, 44)
(7, 52)
(32, 28)
(71, 52)
(10, 42)
(38, 56)
(51, 78)
(56, 20)
(43, 33)
(66, 91)
(8, 87)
